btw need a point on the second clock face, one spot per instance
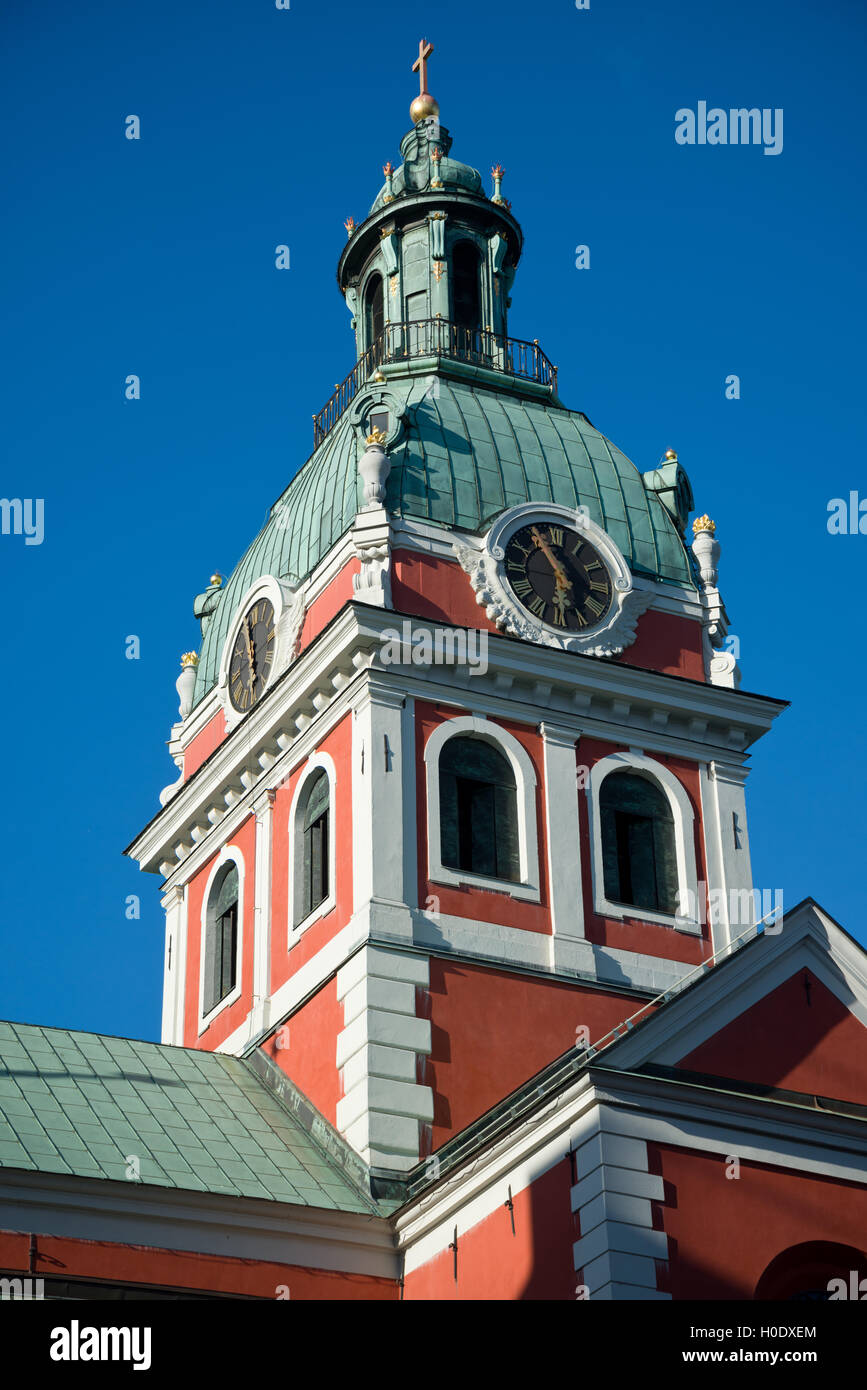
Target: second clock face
(557, 576)
(252, 656)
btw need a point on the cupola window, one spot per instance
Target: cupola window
(466, 287)
(374, 316)
(478, 810)
(639, 855)
(221, 939)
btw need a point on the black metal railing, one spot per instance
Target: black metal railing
(399, 342)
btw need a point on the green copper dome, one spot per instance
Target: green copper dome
(467, 453)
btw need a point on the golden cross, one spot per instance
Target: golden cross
(425, 49)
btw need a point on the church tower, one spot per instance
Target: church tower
(462, 754)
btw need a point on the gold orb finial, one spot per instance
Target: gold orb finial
(217, 579)
(671, 455)
(703, 523)
(422, 107)
(189, 659)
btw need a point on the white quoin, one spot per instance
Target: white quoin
(374, 468)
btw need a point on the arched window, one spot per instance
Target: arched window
(478, 810)
(466, 286)
(221, 939)
(312, 846)
(639, 855)
(374, 316)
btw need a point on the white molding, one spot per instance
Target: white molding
(317, 761)
(683, 817)
(521, 764)
(246, 1228)
(229, 854)
(578, 962)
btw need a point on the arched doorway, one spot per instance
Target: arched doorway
(806, 1272)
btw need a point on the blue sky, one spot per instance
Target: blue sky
(156, 257)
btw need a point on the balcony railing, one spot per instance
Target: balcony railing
(399, 342)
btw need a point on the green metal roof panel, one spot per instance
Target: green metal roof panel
(468, 452)
(83, 1104)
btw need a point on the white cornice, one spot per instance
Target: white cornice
(208, 1223)
(622, 704)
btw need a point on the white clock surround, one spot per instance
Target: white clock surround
(485, 565)
(289, 609)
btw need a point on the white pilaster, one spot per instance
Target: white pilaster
(263, 809)
(563, 835)
(378, 826)
(174, 904)
(727, 850)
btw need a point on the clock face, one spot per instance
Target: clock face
(558, 576)
(252, 656)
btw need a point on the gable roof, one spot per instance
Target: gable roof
(654, 1047)
(84, 1105)
(808, 938)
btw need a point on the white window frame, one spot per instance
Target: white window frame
(684, 840)
(527, 888)
(315, 763)
(229, 854)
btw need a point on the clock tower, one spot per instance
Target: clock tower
(411, 874)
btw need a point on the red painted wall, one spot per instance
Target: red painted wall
(289, 949)
(723, 1233)
(64, 1258)
(493, 1029)
(667, 643)
(329, 603)
(533, 1262)
(479, 903)
(202, 746)
(307, 1050)
(234, 1014)
(427, 586)
(784, 1040)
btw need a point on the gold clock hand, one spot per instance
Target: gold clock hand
(562, 579)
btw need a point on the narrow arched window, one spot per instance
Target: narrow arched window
(639, 856)
(478, 810)
(221, 939)
(466, 286)
(374, 316)
(312, 846)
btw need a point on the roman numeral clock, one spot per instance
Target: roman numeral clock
(552, 575)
